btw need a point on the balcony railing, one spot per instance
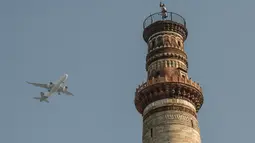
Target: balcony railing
(175, 79)
(158, 17)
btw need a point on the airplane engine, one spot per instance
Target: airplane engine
(65, 88)
(50, 84)
(42, 93)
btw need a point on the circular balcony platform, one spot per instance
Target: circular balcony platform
(173, 87)
(171, 16)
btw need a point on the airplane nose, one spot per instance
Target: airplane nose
(66, 75)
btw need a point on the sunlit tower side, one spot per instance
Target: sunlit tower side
(169, 100)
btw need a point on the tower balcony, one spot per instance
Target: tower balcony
(171, 79)
(156, 23)
(171, 16)
(168, 87)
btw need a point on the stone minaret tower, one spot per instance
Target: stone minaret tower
(169, 100)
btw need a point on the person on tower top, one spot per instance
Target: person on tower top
(163, 10)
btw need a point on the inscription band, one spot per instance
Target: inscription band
(172, 107)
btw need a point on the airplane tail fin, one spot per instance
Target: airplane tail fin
(42, 98)
(46, 100)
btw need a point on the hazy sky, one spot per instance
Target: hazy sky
(99, 44)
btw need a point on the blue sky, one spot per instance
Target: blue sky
(99, 44)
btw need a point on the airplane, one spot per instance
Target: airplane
(57, 87)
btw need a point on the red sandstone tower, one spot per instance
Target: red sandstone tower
(169, 100)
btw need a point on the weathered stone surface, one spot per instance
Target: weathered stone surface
(171, 126)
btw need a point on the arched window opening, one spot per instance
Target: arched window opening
(179, 43)
(157, 73)
(153, 44)
(192, 124)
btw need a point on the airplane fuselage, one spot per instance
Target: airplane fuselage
(57, 85)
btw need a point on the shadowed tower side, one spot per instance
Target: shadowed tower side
(169, 100)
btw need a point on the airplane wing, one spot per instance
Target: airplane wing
(68, 93)
(39, 85)
(65, 92)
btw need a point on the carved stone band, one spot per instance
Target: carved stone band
(159, 64)
(168, 102)
(166, 55)
(166, 40)
(172, 107)
(165, 32)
